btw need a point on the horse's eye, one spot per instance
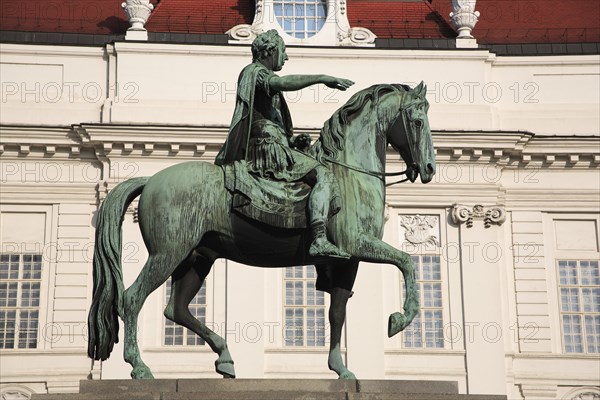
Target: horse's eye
(418, 123)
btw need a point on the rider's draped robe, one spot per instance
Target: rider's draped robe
(267, 175)
(265, 146)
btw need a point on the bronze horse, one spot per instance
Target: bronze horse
(186, 223)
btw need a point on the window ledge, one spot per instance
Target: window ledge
(179, 349)
(558, 356)
(42, 352)
(305, 350)
(437, 352)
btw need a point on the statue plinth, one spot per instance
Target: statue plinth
(266, 389)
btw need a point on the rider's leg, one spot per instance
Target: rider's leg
(318, 213)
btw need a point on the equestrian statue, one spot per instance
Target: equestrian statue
(270, 200)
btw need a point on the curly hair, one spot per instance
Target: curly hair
(265, 43)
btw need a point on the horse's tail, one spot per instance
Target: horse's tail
(107, 300)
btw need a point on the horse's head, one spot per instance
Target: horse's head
(410, 135)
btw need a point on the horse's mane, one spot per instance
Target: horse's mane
(332, 134)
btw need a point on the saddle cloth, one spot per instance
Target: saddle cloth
(277, 203)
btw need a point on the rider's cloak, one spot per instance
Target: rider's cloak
(236, 146)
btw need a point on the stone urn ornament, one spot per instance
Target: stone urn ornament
(138, 12)
(464, 17)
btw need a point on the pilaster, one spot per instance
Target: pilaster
(481, 263)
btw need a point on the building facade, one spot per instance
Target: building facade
(505, 238)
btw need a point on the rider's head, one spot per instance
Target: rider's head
(269, 49)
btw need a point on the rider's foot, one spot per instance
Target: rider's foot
(321, 247)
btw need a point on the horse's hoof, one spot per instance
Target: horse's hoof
(225, 368)
(396, 323)
(142, 373)
(347, 375)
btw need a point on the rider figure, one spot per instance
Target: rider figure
(261, 134)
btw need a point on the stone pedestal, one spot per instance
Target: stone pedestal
(265, 389)
(136, 35)
(466, 43)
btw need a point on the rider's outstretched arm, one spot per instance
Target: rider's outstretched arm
(298, 82)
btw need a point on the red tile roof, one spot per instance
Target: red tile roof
(391, 19)
(68, 16)
(502, 21)
(200, 16)
(533, 21)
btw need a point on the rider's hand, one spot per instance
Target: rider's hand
(302, 142)
(337, 83)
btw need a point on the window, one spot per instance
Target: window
(421, 236)
(576, 298)
(304, 308)
(20, 279)
(177, 335)
(304, 22)
(300, 19)
(426, 330)
(579, 287)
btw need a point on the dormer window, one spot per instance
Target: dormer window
(300, 19)
(304, 22)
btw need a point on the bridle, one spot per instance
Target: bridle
(381, 175)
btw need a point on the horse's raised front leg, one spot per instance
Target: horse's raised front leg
(186, 282)
(371, 249)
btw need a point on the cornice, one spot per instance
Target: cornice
(49, 140)
(113, 140)
(51, 50)
(333, 52)
(518, 148)
(483, 147)
(46, 193)
(559, 60)
(505, 149)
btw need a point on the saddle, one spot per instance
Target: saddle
(276, 203)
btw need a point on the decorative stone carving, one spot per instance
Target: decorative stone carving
(14, 395)
(335, 32)
(464, 17)
(386, 212)
(357, 36)
(243, 33)
(587, 396)
(464, 214)
(419, 229)
(138, 12)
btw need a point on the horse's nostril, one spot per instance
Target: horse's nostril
(430, 168)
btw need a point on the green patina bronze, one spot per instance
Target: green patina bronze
(271, 201)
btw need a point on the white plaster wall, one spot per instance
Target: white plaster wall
(179, 99)
(193, 84)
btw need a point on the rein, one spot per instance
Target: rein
(379, 175)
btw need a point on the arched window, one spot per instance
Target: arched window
(300, 19)
(304, 22)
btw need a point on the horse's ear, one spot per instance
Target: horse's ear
(421, 89)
